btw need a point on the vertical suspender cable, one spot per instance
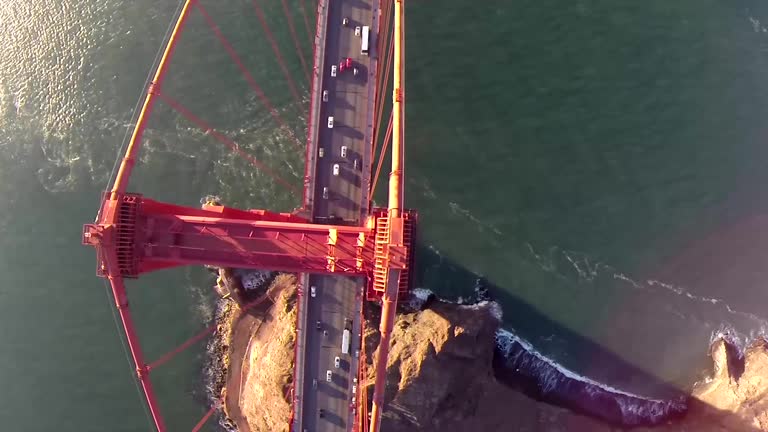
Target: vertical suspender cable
(295, 39)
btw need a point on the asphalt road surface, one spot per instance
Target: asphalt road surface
(348, 104)
(337, 299)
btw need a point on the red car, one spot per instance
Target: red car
(345, 64)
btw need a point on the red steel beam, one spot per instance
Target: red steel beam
(205, 418)
(396, 223)
(152, 235)
(171, 354)
(109, 216)
(131, 153)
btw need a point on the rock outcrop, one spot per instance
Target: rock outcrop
(735, 398)
(440, 378)
(260, 372)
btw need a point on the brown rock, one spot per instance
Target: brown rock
(440, 378)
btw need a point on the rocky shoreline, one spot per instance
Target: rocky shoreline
(218, 350)
(448, 370)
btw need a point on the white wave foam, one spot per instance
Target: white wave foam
(422, 293)
(493, 308)
(505, 339)
(736, 338)
(418, 297)
(481, 226)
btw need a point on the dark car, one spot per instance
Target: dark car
(322, 413)
(319, 326)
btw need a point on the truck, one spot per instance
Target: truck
(345, 341)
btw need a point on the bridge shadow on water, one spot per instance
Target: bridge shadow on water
(522, 368)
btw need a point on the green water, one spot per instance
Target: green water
(576, 156)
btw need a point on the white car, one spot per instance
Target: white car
(354, 389)
(321, 152)
(337, 362)
(354, 71)
(343, 151)
(357, 31)
(328, 376)
(313, 291)
(325, 193)
(335, 169)
(333, 70)
(330, 122)
(325, 95)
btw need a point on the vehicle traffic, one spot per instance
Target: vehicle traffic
(345, 341)
(365, 40)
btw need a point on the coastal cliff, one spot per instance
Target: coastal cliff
(251, 365)
(441, 377)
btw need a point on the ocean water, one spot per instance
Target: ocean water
(598, 166)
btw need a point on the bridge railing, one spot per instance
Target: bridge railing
(315, 103)
(297, 386)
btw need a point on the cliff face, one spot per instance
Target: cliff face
(440, 378)
(261, 371)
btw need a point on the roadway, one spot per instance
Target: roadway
(338, 299)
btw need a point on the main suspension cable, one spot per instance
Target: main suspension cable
(112, 307)
(384, 83)
(384, 147)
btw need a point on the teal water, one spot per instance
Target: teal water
(600, 165)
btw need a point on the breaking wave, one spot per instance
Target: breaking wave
(517, 361)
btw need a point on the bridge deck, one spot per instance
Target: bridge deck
(350, 101)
